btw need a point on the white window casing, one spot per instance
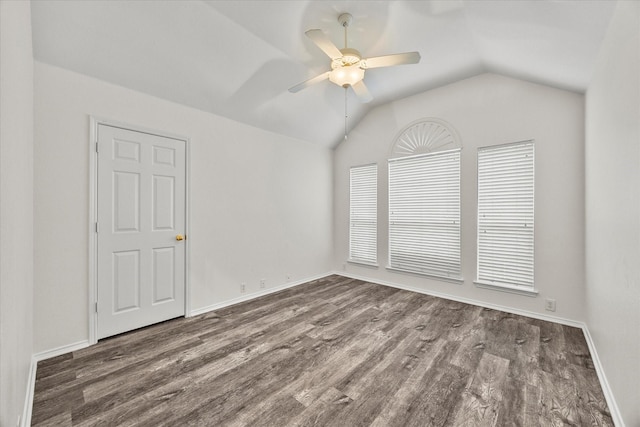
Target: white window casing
(363, 211)
(505, 255)
(424, 214)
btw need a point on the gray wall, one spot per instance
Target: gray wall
(16, 207)
(486, 110)
(278, 221)
(261, 203)
(613, 209)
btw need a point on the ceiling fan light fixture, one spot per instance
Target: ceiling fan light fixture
(347, 65)
(346, 76)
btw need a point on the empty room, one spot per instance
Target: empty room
(319, 213)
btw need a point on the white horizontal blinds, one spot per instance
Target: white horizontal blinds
(505, 214)
(424, 214)
(363, 212)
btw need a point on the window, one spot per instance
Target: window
(363, 202)
(424, 214)
(505, 215)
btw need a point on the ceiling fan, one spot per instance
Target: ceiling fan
(347, 65)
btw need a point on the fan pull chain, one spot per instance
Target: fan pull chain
(345, 113)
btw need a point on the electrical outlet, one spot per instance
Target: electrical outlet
(263, 283)
(243, 287)
(344, 267)
(550, 304)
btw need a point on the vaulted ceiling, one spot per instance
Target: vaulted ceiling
(238, 58)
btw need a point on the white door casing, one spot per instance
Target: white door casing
(141, 212)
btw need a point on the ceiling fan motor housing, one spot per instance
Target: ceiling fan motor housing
(349, 57)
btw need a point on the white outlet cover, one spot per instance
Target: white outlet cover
(550, 305)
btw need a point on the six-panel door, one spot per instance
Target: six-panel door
(141, 216)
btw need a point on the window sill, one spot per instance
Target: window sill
(362, 263)
(458, 281)
(512, 289)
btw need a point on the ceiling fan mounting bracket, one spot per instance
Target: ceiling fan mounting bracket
(345, 19)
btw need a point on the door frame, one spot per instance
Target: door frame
(95, 122)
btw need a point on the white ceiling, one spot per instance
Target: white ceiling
(238, 58)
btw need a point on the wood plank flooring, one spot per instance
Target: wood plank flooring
(333, 352)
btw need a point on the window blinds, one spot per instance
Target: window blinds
(505, 214)
(363, 211)
(424, 214)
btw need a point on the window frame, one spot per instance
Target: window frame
(483, 279)
(373, 261)
(453, 275)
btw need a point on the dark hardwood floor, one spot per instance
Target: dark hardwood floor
(333, 352)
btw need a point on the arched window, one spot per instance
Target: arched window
(424, 200)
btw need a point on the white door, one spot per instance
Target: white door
(140, 230)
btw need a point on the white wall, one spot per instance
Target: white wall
(613, 208)
(261, 203)
(486, 110)
(16, 207)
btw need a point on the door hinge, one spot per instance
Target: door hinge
(97, 147)
(96, 226)
(96, 306)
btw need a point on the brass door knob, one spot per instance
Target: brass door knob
(179, 237)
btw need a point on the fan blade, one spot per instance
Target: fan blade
(361, 90)
(390, 60)
(316, 79)
(322, 41)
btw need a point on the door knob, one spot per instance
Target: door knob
(180, 237)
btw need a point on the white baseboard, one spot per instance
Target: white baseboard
(606, 390)
(254, 295)
(613, 407)
(25, 421)
(555, 319)
(48, 354)
(28, 405)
